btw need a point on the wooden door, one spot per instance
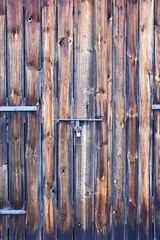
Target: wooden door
(85, 164)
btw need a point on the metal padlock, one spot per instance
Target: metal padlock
(77, 129)
(78, 134)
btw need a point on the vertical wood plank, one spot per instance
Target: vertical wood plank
(109, 118)
(84, 107)
(101, 112)
(145, 115)
(119, 119)
(3, 125)
(65, 166)
(132, 121)
(49, 162)
(32, 95)
(157, 122)
(15, 120)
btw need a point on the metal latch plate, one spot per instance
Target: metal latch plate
(77, 127)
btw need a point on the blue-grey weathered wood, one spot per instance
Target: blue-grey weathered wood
(119, 115)
(156, 128)
(3, 124)
(84, 107)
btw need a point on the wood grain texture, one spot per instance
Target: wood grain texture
(119, 119)
(15, 120)
(109, 118)
(132, 118)
(32, 85)
(145, 115)
(65, 165)
(84, 108)
(3, 125)
(95, 60)
(101, 112)
(49, 162)
(157, 121)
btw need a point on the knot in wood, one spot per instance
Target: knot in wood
(16, 35)
(30, 19)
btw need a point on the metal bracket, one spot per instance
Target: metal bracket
(156, 107)
(12, 212)
(77, 127)
(18, 108)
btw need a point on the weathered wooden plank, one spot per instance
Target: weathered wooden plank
(48, 110)
(109, 118)
(15, 120)
(119, 119)
(101, 112)
(157, 122)
(132, 119)
(145, 115)
(84, 107)
(65, 166)
(3, 125)
(32, 94)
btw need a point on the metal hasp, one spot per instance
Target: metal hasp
(12, 212)
(156, 107)
(18, 108)
(77, 127)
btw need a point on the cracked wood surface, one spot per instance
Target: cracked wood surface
(157, 121)
(84, 108)
(109, 117)
(3, 125)
(101, 217)
(48, 111)
(119, 119)
(15, 120)
(65, 165)
(132, 118)
(145, 115)
(32, 131)
(80, 59)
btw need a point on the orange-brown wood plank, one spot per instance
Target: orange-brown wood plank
(157, 122)
(65, 149)
(32, 94)
(84, 107)
(3, 125)
(109, 118)
(145, 116)
(49, 163)
(101, 112)
(132, 119)
(119, 119)
(15, 120)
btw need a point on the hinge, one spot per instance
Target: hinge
(77, 127)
